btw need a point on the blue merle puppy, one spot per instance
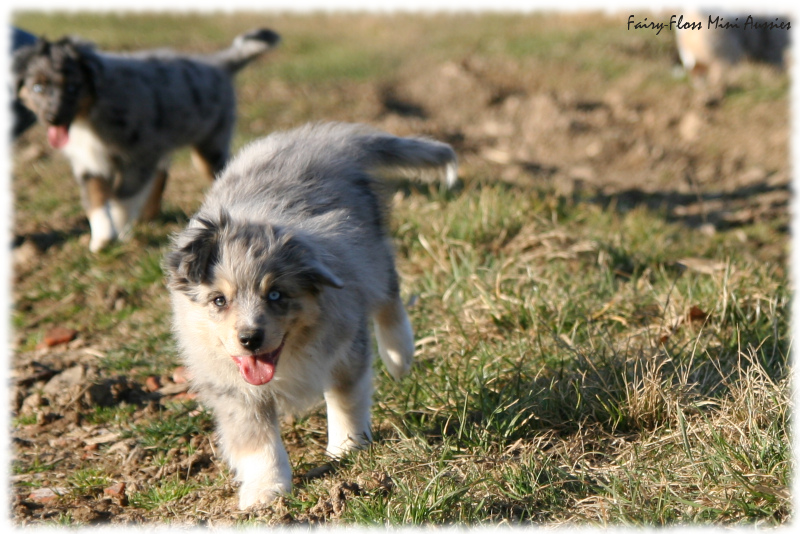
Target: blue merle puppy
(117, 117)
(276, 280)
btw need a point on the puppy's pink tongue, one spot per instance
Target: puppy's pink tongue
(254, 370)
(58, 136)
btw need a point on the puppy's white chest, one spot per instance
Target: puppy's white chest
(86, 151)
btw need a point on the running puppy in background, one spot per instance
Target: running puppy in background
(118, 117)
(707, 50)
(274, 283)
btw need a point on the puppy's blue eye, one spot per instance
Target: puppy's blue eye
(38, 88)
(220, 302)
(274, 295)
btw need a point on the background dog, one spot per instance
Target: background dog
(706, 51)
(275, 280)
(118, 116)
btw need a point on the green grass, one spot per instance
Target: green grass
(170, 429)
(165, 492)
(87, 481)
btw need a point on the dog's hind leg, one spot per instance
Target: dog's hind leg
(395, 337)
(211, 155)
(96, 193)
(127, 206)
(152, 207)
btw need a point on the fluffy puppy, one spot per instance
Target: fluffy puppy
(117, 117)
(274, 283)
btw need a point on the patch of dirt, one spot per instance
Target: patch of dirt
(703, 161)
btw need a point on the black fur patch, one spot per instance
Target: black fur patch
(190, 263)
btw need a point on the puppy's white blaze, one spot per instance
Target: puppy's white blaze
(101, 227)
(86, 151)
(348, 417)
(264, 476)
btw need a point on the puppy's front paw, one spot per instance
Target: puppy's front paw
(102, 230)
(254, 493)
(96, 244)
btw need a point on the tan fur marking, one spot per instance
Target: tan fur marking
(389, 314)
(266, 283)
(227, 288)
(98, 192)
(152, 207)
(85, 106)
(202, 165)
(25, 96)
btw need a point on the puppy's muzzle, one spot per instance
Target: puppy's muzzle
(251, 339)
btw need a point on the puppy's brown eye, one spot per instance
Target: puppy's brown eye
(220, 302)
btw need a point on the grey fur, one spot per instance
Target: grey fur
(291, 248)
(119, 116)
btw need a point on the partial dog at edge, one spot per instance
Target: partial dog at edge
(707, 50)
(118, 117)
(274, 283)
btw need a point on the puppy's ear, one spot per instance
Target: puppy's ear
(322, 276)
(22, 58)
(194, 253)
(84, 54)
(311, 271)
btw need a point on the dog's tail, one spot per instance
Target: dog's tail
(416, 157)
(245, 48)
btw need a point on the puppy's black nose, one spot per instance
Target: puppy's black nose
(251, 339)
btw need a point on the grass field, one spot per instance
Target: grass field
(602, 333)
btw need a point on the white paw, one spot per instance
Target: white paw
(256, 492)
(264, 476)
(102, 229)
(96, 244)
(340, 447)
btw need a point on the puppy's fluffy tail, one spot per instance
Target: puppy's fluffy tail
(415, 157)
(246, 48)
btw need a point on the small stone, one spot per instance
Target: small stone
(708, 229)
(180, 375)
(64, 380)
(594, 149)
(58, 336)
(46, 495)
(185, 396)
(115, 491)
(152, 383)
(31, 403)
(690, 126)
(25, 253)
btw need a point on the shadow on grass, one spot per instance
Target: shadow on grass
(723, 210)
(45, 240)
